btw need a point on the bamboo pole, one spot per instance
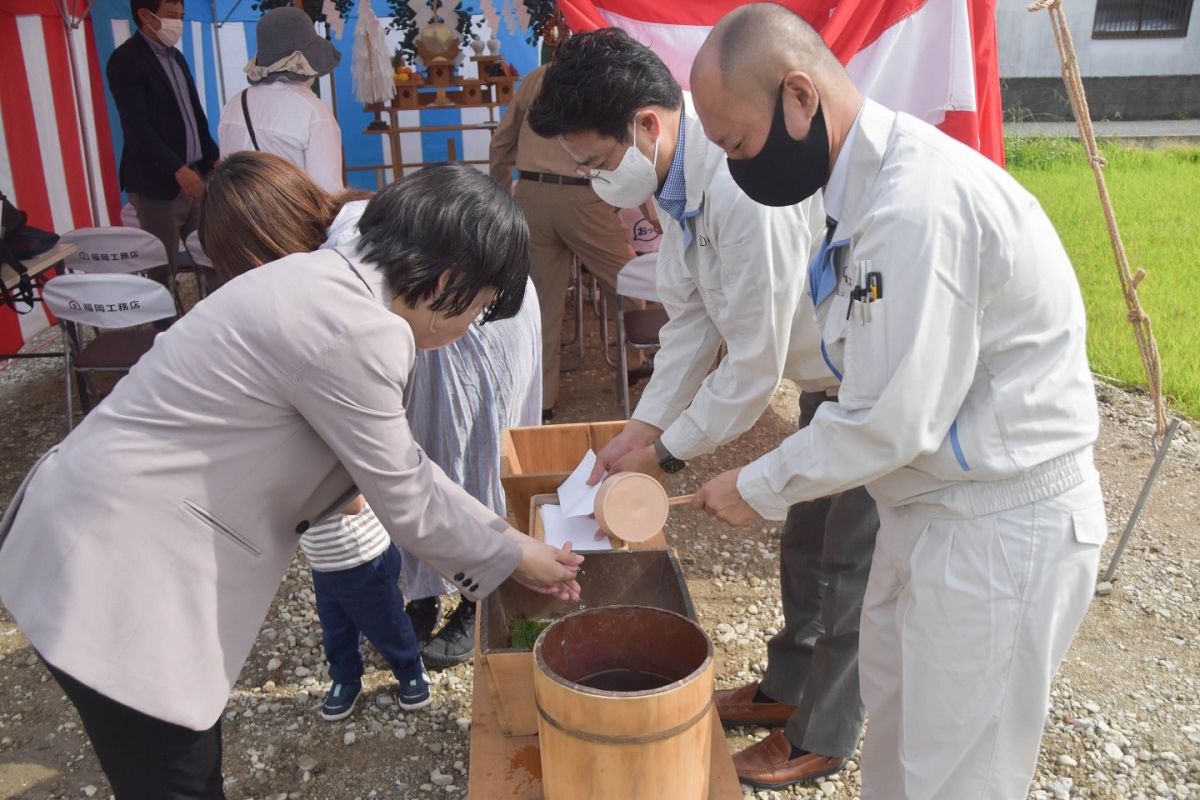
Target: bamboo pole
(1138, 318)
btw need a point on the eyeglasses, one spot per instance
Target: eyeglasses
(591, 173)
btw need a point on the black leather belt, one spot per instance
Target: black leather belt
(550, 177)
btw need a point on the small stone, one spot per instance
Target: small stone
(1067, 761)
(439, 779)
(828, 788)
(348, 739)
(89, 790)
(435, 747)
(463, 723)
(274, 664)
(302, 672)
(306, 763)
(1112, 751)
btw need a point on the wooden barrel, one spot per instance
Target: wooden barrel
(624, 701)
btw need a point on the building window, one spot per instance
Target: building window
(1137, 19)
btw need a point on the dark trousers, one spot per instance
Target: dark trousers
(144, 757)
(824, 559)
(366, 601)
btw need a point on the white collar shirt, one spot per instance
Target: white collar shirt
(729, 271)
(289, 121)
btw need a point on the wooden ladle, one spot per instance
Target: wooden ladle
(633, 506)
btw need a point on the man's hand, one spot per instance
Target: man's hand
(635, 436)
(191, 183)
(721, 498)
(643, 459)
(547, 569)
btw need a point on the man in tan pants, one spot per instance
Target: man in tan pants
(565, 218)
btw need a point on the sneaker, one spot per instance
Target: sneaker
(414, 693)
(425, 615)
(455, 642)
(339, 703)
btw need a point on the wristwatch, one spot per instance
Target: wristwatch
(667, 462)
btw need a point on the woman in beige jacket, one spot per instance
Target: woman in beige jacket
(140, 556)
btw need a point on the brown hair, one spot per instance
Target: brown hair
(259, 207)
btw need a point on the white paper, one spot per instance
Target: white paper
(582, 532)
(576, 498)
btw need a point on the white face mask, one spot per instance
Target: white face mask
(170, 31)
(633, 182)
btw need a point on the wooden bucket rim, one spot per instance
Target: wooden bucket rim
(554, 677)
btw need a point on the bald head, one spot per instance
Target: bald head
(753, 47)
(759, 55)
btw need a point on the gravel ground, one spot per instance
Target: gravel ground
(1125, 710)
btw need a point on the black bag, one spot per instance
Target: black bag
(19, 241)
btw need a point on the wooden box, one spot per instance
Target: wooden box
(440, 72)
(658, 540)
(504, 90)
(406, 94)
(536, 460)
(624, 577)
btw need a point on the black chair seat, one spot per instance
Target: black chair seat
(642, 327)
(119, 349)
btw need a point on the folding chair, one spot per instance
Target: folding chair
(113, 304)
(119, 250)
(637, 328)
(202, 266)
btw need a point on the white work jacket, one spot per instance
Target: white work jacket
(970, 367)
(732, 271)
(289, 121)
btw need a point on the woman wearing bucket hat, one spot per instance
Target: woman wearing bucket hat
(279, 113)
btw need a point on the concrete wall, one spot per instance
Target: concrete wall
(1123, 78)
(1027, 48)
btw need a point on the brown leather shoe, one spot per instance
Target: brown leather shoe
(765, 764)
(737, 707)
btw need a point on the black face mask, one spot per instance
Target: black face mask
(785, 171)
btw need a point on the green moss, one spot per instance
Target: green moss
(524, 632)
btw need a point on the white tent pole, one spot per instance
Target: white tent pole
(71, 24)
(216, 34)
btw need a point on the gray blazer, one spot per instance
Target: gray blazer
(141, 555)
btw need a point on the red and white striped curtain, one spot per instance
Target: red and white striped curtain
(47, 152)
(934, 59)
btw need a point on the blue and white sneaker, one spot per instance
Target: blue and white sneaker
(339, 703)
(414, 693)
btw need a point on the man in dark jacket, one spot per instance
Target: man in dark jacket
(168, 149)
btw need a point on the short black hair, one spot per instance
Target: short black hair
(449, 217)
(597, 82)
(152, 6)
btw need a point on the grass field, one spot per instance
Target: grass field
(1156, 194)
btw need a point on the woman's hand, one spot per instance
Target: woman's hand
(547, 569)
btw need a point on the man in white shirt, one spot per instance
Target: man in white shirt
(729, 270)
(951, 314)
(279, 113)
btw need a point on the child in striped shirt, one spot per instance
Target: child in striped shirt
(356, 570)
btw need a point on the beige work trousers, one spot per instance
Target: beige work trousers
(566, 221)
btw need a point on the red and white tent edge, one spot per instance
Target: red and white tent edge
(45, 147)
(934, 59)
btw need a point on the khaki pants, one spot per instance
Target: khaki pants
(566, 221)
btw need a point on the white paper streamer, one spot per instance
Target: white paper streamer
(372, 63)
(491, 16)
(333, 19)
(520, 16)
